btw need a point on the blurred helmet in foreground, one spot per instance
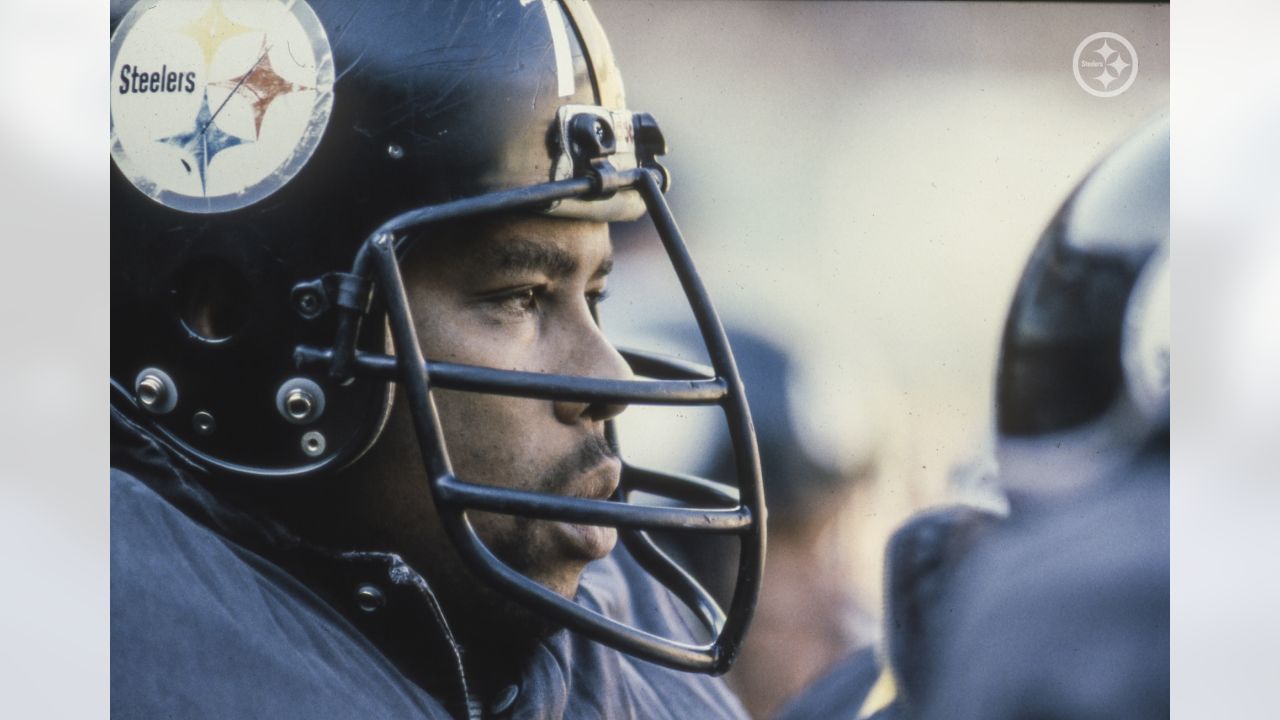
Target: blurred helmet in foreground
(1083, 376)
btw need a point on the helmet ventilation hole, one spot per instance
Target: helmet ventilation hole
(213, 299)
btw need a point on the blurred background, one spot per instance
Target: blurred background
(860, 184)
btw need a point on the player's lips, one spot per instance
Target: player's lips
(600, 481)
(592, 542)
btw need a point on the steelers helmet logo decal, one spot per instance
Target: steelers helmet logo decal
(216, 104)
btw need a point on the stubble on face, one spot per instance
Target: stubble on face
(486, 620)
(524, 545)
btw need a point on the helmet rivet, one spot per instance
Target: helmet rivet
(313, 444)
(395, 152)
(155, 391)
(369, 598)
(308, 303)
(203, 423)
(300, 400)
(299, 404)
(151, 391)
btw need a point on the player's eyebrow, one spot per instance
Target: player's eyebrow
(523, 255)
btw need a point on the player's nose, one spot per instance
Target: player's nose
(594, 356)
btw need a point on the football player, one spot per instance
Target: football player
(363, 463)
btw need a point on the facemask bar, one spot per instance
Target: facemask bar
(741, 513)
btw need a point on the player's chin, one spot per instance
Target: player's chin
(561, 570)
(582, 543)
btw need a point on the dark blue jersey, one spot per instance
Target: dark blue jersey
(207, 622)
(1060, 611)
(1067, 616)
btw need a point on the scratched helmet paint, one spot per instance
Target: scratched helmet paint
(270, 159)
(1083, 379)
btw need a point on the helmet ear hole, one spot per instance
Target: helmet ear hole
(214, 300)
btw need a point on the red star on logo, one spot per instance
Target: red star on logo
(261, 86)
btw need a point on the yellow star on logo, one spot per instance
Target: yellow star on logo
(212, 29)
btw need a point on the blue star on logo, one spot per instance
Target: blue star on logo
(204, 141)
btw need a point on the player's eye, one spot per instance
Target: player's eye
(523, 300)
(516, 302)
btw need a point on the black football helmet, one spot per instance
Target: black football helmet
(1084, 362)
(273, 161)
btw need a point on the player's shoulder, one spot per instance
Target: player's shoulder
(203, 628)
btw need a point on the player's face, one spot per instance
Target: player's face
(518, 294)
